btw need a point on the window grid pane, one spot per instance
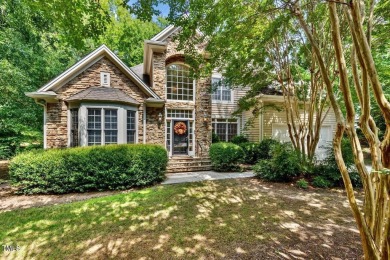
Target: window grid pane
(220, 92)
(179, 113)
(232, 131)
(94, 126)
(226, 129)
(168, 135)
(190, 136)
(131, 130)
(179, 84)
(74, 127)
(110, 126)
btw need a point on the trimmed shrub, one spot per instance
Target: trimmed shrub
(283, 165)
(226, 156)
(215, 138)
(328, 169)
(265, 146)
(81, 169)
(251, 151)
(257, 151)
(239, 139)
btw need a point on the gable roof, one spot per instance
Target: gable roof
(103, 94)
(90, 59)
(164, 34)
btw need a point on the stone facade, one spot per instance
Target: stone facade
(202, 104)
(57, 113)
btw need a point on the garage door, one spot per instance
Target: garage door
(280, 133)
(325, 141)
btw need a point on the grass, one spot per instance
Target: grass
(230, 218)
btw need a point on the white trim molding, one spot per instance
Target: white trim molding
(89, 60)
(122, 121)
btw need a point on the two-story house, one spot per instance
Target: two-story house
(100, 101)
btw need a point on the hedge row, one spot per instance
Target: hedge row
(81, 169)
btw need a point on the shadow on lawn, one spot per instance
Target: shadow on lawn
(233, 219)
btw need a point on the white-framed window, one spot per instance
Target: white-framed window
(74, 127)
(221, 92)
(102, 129)
(101, 124)
(131, 126)
(180, 86)
(180, 113)
(226, 129)
(105, 79)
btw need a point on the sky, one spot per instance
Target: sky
(164, 9)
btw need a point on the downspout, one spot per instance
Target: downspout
(261, 118)
(43, 103)
(144, 124)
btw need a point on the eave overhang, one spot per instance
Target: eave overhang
(151, 47)
(47, 96)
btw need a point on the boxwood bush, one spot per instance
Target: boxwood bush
(257, 151)
(226, 156)
(283, 165)
(83, 169)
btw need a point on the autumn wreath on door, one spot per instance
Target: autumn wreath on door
(180, 128)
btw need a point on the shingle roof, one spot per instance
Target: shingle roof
(139, 71)
(103, 94)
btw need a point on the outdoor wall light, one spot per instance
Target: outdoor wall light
(159, 119)
(205, 118)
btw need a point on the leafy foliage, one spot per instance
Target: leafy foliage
(40, 39)
(215, 138)
(238, 139)
(283, 165)
(329, 171)
(226, 156)
(302, 183)
(84, 169)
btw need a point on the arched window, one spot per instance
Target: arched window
(180, 86)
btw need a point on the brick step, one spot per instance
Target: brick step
(185, 159)
(188, 166)
(189, 169)
(187, 163)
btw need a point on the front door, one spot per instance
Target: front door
(180, 137)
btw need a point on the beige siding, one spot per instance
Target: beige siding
(252, 131)
(273, 117)
(225, 109)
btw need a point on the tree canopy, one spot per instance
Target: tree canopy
(40, 39)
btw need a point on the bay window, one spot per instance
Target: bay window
(101, 124)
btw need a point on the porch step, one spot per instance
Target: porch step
(188, 164)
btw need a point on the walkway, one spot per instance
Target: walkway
(10, 201)
(182, 177)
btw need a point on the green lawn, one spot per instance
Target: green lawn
(229, 218)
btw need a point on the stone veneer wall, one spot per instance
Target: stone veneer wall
(155, 133)
(202, 102)
(57, 113)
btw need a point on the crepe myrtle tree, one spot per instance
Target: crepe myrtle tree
(328, 44)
